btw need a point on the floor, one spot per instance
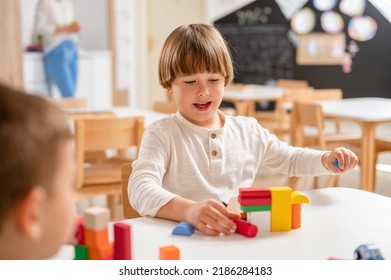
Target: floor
(269, 178)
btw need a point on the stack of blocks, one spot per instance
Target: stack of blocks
(92, 237)
(280, 207)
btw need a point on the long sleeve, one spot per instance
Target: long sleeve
(178, 158)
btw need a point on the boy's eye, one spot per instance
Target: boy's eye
(190, 82)
(213, 80)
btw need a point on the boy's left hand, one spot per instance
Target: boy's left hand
(347, 160)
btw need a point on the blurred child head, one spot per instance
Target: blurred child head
(37, 170)
(192, 49)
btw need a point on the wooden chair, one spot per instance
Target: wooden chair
(383, 144)
(291, 84)
(127, 209)
(114, 135)
(310, 115)
(279, 120)
(70, 103)
(168, 107)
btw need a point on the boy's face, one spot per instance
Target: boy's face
(198, 97)
(60, 204)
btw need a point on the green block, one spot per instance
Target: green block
(81, 252)
(256, 208)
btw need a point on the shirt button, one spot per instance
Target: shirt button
(214, 153)
(213, 136)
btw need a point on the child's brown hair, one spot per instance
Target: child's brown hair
(32, 130)
(192, 49)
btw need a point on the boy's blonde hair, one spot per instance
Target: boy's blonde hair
(192, 49)
(32, 131)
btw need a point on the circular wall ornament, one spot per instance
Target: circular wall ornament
(331, 22)
(303, 21)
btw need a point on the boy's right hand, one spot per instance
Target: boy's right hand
(211, 217)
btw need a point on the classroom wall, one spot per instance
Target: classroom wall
(371, 65)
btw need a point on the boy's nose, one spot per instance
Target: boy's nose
(202, 90)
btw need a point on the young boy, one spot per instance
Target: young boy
(192, 161)
(37, 170)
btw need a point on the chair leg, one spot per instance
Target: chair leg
(332, 181)
(111, 204)
(293, 182)
(316, 182)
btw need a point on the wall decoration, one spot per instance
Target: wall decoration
(303, 21)
(324, 5)
(331, 22)
(352, 7)
(321, 49)
(362, 28)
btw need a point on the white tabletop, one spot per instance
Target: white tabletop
(371, 109)
(257, 92)
(334, 224)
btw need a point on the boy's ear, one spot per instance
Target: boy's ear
(29, 214)
(169, 90)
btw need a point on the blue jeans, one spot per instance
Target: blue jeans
(61, 67)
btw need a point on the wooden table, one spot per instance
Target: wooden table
(244, 101)
(368, 112)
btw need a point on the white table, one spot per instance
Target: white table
(334, 224)
(244, 100)
(368, 112)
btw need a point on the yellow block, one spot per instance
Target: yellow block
(299, 198)
(281, 212)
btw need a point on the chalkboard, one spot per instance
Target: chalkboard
(260, 52)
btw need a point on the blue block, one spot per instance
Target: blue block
(184, 228)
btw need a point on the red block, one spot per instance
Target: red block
(79, 231)
(245, 228)
(122, 241)
(254, 201)
(259, 191)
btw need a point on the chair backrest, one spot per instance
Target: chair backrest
(288, 83)
(327, 94)
(93, 135)
(308, 115)
(128, 211)
(70, 103)
(168, 107)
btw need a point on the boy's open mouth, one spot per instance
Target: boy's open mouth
(202, 106)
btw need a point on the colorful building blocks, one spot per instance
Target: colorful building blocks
(245, 228)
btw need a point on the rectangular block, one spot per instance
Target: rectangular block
(255, 208)
(96, 238)
(260, 219)
(104, 252)
(81, 252)
(257, 191)
(169, 253)
(96, 218)
(281, 212)
(254, 201)
(122, 241)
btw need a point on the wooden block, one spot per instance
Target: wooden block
(183, 228)
(104, 252)
(256, 208)
(169, 253)
(81, 252)
(96, 238)
(260, 219)
(298, 198)
(79, 232)
(122, 241)
(296, 215)
(245, 228)
(281, 211)
(96, 218)
(243, 216)
(254, 201)
(257, 191)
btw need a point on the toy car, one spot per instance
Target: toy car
(368, 252)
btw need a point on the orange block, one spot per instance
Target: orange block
(104, 252)
(296, 215)
(97, 238)
(169, 253)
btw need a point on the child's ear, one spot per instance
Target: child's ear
(29, 214)
(169, 90)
